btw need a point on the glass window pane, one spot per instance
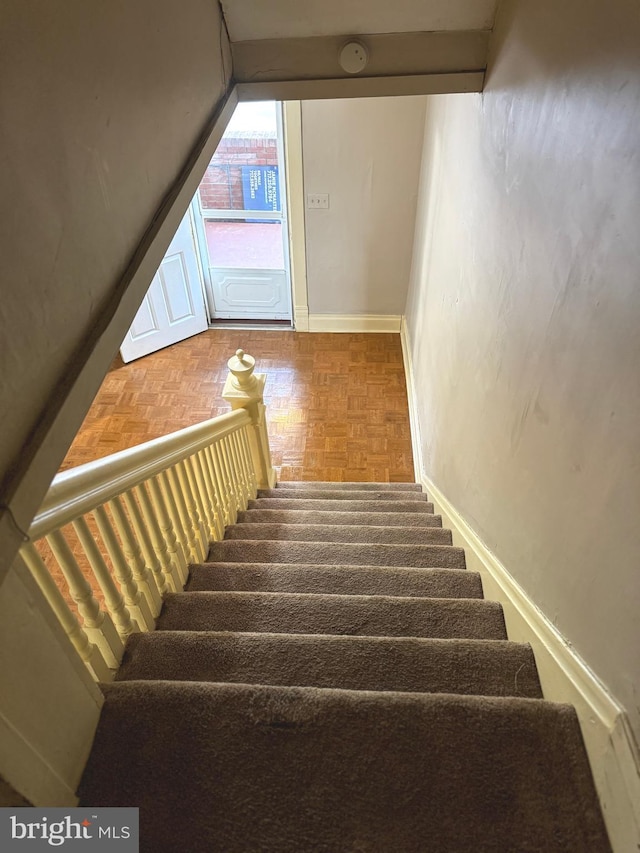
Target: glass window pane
(245, 245)
(243, 174)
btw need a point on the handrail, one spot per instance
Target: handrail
(113, 536)
(79, 490)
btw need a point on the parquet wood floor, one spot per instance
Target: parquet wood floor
(336, 403)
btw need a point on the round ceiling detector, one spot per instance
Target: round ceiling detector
(353, 57)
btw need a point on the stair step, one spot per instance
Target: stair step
(418, 507)
(334, 579)
(301, 516)
(326, 553)
(332, 485)
(480, 667)
(286, 769)
(362, 533)
(343, 495)
(303, 613)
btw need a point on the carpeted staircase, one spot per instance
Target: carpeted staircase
(334, 681)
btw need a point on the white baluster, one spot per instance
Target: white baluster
(220, 487)
(207, 462)
(234, 486)
(241, 492)
(240, 472)
(112, 595)
(89, 653)
(136, 602)
(227, 445)
(169, 569)
(189, 488)
(196, 487)
(98, 624)
(229, 492)
(175, 548)
(176, 502)
(144, 538)
(246, 450)
(143, 575)
(205, 492)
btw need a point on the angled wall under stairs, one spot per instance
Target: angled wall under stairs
(333, 680)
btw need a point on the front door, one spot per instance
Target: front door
(174, 307)
(241, 221)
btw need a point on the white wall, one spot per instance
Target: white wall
(101, 108)
(366, 154)
(104, 108)
(524, 315)
(49, 704)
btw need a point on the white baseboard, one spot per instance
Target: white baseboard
(301, 318)
(354, 322)
(564, 676)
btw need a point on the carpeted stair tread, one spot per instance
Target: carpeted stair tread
(359, 533)
(301, 516)
(304, 613)
(422, 507)
(332, 579)
(375, 487)
(344, 495)
(480, 667)
(222, 767)
(326, 553)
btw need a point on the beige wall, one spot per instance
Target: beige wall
(101, 105)
(366, 154)
(108, 112)
(524, 317)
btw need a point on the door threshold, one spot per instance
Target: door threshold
(257, 325)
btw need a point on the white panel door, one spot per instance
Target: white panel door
(173, 308)
(240, 218)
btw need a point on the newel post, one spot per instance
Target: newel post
(245, 390)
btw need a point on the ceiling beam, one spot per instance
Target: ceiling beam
(361, 87)
(394, 55)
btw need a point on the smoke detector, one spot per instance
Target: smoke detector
(354, 57)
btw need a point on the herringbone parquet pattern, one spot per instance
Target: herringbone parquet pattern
(336, 403)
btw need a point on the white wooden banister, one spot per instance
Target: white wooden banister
(121, 531)
(77, 491)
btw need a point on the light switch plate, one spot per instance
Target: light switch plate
(318, 201)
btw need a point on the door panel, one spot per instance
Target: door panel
(174, 280)
(145, 322)
(173, 308)
(250, 293)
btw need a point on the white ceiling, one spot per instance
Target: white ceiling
(271, 19)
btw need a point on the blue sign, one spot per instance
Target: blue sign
(260, 189)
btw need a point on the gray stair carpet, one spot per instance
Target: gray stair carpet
(347, 505)
(267, 551)
(301, 516)
(359, 533)
(332, 680)
(340, 579)
(408, 664)
(305, 613)
(344, 494)
(237, 767)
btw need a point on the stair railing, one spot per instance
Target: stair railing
(120, 532)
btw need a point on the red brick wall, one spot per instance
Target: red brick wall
(221, 186)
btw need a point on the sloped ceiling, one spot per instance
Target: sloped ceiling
(249, 20)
